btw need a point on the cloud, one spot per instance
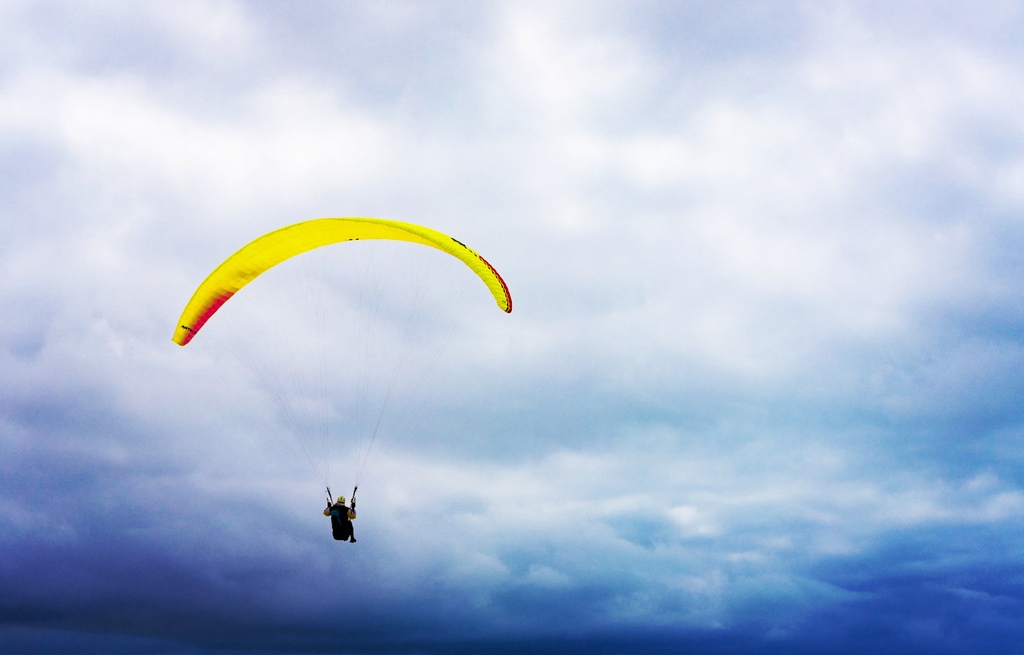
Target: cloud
(758, 391)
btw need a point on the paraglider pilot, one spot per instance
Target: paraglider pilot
(341, 518)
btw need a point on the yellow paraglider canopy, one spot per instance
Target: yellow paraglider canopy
(275, 247)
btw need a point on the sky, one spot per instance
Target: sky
(759, 393)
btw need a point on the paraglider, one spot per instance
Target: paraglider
(341, 517)
(274, 248)
(271, 249)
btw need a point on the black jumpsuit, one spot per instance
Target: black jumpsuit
(341, 521)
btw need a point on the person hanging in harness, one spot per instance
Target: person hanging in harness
(341, 517)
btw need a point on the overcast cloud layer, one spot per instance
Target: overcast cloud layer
(760, 391)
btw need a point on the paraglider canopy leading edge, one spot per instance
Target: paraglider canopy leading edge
(275, 247)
